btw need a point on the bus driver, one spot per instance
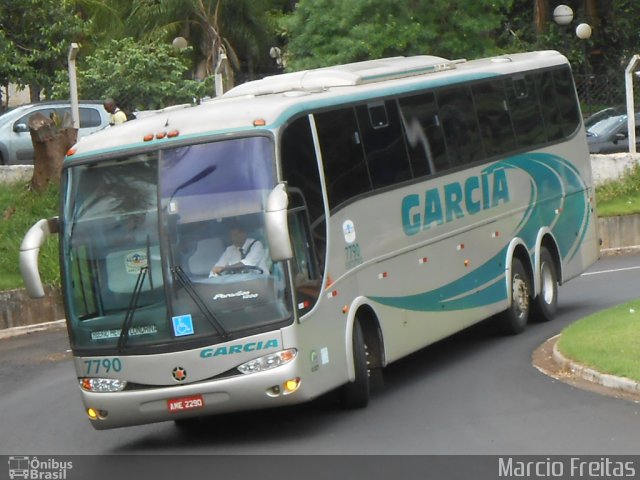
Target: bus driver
(243, 252)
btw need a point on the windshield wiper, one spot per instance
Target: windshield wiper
(133, 305)
(187, 284)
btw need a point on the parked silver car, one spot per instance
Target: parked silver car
(15, 140)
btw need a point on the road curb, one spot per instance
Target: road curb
(22, 330)
(594, 376)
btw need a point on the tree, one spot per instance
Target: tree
(36, 35)
(138, 75)
(324, 32)
(236, 28)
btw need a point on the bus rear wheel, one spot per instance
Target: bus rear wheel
(515, 318)
(356, 394)
(546, 303)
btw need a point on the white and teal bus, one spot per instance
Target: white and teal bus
(396, 201)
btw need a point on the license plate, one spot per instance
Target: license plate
(185, 403)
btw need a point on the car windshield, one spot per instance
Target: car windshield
(606, 125)
(142, 234)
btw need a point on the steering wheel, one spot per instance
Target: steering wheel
(241, 269)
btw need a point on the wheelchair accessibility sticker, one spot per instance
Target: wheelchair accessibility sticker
(183, 325)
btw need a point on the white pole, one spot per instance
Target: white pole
(73, 85)
(631, 116)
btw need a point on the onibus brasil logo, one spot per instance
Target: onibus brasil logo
(38, 469)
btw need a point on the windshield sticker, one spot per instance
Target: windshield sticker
(134, 261)
(183, 325)
(349, 231)
(240, 293)
(133, 331)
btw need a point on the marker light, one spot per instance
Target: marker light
(173, 133)
(268, 362)
(259, 122)
(94, 414)
(148, 137)
(71, 151)
(102, 385)
(291, 386)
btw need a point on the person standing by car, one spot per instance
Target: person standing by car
(117, 115)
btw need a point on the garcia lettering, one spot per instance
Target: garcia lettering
(453, 201)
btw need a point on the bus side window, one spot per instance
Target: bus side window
(567, 102)
(524, 108)
(550, 109)
(384, 146)
(346, 173)
(300, 171)
(460, 126)
(423, 134)
(495, 125)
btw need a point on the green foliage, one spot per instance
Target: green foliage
(138, 75)
(325, 32)
(608, 341)
(20, 209)
(35, 40)
(620, 197)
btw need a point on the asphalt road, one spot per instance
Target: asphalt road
(475, 393)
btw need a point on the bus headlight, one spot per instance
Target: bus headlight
(102, 385)
(268, 362)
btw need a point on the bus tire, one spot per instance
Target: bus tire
(515, 318)
(356, 394)
(546, 303)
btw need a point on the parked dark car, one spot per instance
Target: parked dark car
(15, 139)
(610, 133)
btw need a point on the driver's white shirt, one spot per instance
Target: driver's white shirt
(255, 256)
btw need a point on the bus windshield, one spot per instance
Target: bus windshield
(167, 247)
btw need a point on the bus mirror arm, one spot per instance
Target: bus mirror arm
(29, 251)
(276, 225)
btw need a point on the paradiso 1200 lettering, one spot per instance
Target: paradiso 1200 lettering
(454, 201)
(231, 349)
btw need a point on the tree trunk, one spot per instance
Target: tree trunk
(50, 145)
(540, 15)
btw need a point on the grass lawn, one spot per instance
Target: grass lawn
(19, 210)
(621, 197)
(608, 341)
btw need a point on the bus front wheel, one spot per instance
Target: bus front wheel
(356, 394)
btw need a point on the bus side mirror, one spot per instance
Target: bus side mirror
(276, 225)
(29, 251)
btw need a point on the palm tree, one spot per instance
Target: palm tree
(236, 29)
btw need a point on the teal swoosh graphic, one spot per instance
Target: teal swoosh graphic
(558, 200)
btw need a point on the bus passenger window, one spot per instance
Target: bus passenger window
(567, 102)
(460, 126)
(550, 109)
(524, 108)
(345, 170)
(423, 133)
(493, 117)
(383, 143)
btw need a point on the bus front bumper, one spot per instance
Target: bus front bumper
(279, 387)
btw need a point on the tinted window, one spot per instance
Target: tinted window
(550, 109)
(423, 130)
(300, 166)
(566, 100)
(383, 143)
(522, 99)
(493, 117)
(458, 117)
(89, 117)
(345, 170)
